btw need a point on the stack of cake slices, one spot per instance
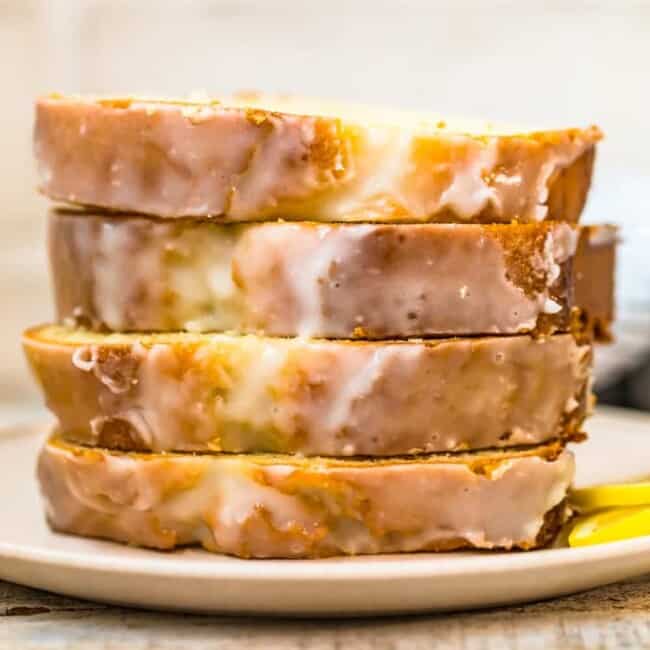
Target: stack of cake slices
(287, 330)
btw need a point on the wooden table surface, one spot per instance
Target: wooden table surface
(617, 616)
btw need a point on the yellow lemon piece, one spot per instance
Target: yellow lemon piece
(610, 526)
(609, 496)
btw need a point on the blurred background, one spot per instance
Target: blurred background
(538, 63)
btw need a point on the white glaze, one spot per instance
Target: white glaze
(360, 385)
(251, 398)
(468, 193)
(560, 245)
(202, 273)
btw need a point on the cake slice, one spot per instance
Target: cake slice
(283, 506)
(193, 392)
(332, 280)
(252, 158)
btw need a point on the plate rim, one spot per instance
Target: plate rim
(208, 566)
(373, 567)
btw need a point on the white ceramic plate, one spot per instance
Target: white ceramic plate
(196, 581)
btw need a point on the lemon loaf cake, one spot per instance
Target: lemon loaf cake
(332, 280)
(199, 392)
(256, 158)
(284, 506)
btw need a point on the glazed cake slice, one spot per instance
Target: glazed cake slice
(253, 158)
(332, 281)
(283, 506)
(193, 392)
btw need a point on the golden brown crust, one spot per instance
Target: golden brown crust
(569, 189)
(119, 435)
(593, 277)
(554, 520)
(481, 461)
